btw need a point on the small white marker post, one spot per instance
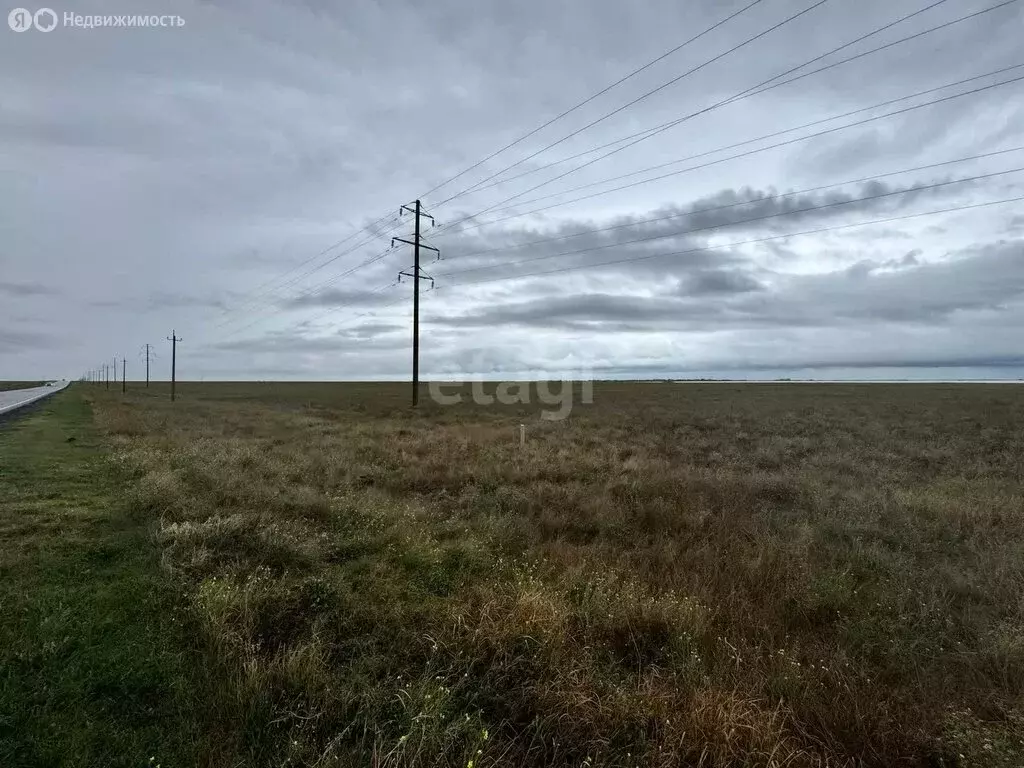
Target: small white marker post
(522, 435)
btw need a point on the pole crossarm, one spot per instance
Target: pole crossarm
(416, 209)
(422, 276)
(410, 242)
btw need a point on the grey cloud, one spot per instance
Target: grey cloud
(335, 297)
(901, 290)
(581, 311)
(673, 244)
(157, 301)
(718, 281)
(26, 289)
(12, 341)
(299, 345)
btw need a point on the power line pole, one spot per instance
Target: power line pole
(147, 366)
(417, 211)
(174, 360)
(124, 381)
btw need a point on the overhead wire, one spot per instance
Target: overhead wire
(732, 99)
(388, 228)
(659, 88)
(260, 289)
(591, 98)
(654, 130)
(724, 159)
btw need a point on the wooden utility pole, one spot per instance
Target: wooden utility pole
(174, 360)
(417, 274)
(147, 366)
(124, 381)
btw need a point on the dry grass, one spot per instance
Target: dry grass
(714, 575)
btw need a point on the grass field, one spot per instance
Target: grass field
(699, 574)
(8, 385)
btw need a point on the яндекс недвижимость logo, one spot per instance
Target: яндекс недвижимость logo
(22, 19)
(46, 20)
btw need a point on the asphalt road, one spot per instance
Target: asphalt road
(13, 399)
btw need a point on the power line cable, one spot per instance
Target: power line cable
(391, 227)
(264, 316)
(736, 97)
(591, 98)
(259, 290)
(332, 310)
(654, 130)
(720, 160)
(653, 91)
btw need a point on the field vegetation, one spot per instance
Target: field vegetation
(677, 574)
(8, 385)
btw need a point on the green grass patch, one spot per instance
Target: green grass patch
(92, 671)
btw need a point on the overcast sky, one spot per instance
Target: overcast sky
(193, 178)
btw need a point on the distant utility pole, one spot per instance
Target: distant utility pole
(124, 381)
(147, 366)
(417, 211)
(174, 360)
